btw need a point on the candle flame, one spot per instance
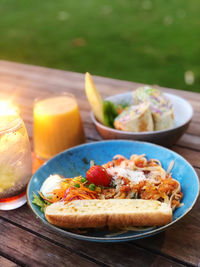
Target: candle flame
(8, 108)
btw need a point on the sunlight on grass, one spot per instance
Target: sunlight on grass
(146, 41)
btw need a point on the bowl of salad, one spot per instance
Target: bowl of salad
(145, 114)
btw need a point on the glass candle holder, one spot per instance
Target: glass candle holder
(57, 125)
(15, 159)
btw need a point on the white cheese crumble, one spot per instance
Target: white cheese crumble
(51, 183)
(133, 176)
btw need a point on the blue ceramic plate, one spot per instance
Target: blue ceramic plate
(76, 161)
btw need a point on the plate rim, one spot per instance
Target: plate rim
(143, 133)
(111, 239)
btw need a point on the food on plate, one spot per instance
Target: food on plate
(110, 112)
(163, 117)
(113, 213)
(118, 181)
(146, 93)
(135, 118)
(158, 110)
(98, 175)
(161, 107)
(53, 182)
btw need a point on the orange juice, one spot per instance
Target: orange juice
(57, 125)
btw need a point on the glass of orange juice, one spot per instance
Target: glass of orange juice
(57, 125)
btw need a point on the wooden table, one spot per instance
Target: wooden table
(25, 241)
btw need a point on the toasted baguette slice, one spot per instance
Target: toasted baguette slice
(114, 213)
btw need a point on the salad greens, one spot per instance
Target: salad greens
(111, 111)
(37, 200)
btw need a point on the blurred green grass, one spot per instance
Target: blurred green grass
(148, 41)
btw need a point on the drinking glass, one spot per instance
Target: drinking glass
(57, 125)
(15, 161)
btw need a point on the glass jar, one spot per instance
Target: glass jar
(15, 161)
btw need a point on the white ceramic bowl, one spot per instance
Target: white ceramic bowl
(183, 114)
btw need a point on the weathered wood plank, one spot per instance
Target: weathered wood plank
(194, 128)
(6, 263)
(190, 155)
(58, 80)
(50, 75)
(190, 141)
(33, 250)
(125, 254)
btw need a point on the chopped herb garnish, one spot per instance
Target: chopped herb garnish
(92, 187)
(83, 180)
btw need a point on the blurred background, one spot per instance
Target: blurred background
(147, 41)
